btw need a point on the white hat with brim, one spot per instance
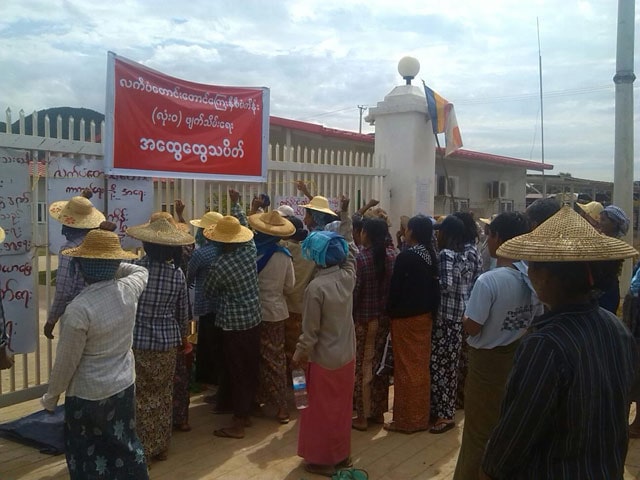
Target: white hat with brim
(207, 220)
(78, 212)
(100, 244)
(286, 211)
(592, 209)
(161, 232)
(2, 234)
(228, 230)
(320, 204)
(565, 237)
(272, 223)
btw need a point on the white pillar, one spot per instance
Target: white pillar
(405, 143)
(623, 154)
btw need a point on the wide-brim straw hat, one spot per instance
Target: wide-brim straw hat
(2, 234)
(320, 204)
(207, 220)
(592, 209)
(272, 223)
(565, 237)
(161, 232)
(100, 244)
(228, 230)
(78, 212)
(168, 217)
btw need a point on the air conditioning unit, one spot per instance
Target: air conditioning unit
(447, 189)
(498, 189)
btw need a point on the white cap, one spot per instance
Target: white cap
(285, 211)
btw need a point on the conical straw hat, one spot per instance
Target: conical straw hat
(321, 204)
(78, 212)
(100, 244)
(272, 223)
(207, 220)
(565, 237)
(228, 230)
(161, 232)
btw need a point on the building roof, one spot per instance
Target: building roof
(497, 159)
(320, 130)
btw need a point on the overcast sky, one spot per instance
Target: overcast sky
(323, 58)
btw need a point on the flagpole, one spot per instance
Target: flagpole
(544, 180)
(446, 176)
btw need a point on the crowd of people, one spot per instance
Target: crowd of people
(498, 316)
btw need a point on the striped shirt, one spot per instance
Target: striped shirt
(163, 309)
(69, 283)
(565, 410)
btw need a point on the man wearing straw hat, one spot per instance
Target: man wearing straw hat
(77, 216)
(565, 411)
(233, 283)
(95, 365)
(161, 327)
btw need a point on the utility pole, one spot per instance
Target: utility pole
(623, 152)
(362, 108)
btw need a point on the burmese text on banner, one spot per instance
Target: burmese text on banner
(158, 125)
(443, 119)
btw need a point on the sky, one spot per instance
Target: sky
(321, 59)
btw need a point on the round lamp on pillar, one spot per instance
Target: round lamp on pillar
(408, 68)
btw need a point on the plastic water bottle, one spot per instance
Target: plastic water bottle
(300, 388)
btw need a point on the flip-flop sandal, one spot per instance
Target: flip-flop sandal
(284, 420)
(184, 427)
(226, 433)
(442, 427)
(324, 470)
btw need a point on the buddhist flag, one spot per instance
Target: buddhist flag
(443, 119)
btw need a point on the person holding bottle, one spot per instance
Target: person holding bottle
(327, 349)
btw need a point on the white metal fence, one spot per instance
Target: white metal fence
(329, 173)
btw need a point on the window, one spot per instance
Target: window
(506, 206)
(42, 213)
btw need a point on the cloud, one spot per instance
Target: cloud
(323, 58)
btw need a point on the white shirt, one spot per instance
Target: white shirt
(94, 359)
(503, 302)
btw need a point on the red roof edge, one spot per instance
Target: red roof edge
(320, 129)
(498, 159)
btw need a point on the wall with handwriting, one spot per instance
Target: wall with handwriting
(68, 177)
(129, 202)
(126, 201)
(17, 281)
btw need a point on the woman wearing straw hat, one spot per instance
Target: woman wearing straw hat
(233, 283)
(565, 410)
(318, 214)
(160, 328)
(276, 278)
(327, 349)
(77, 216)
(95, 365)
(208, 356)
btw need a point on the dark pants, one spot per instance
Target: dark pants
(208, 351)
(242, 358)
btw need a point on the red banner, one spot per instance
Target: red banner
(162, 126)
